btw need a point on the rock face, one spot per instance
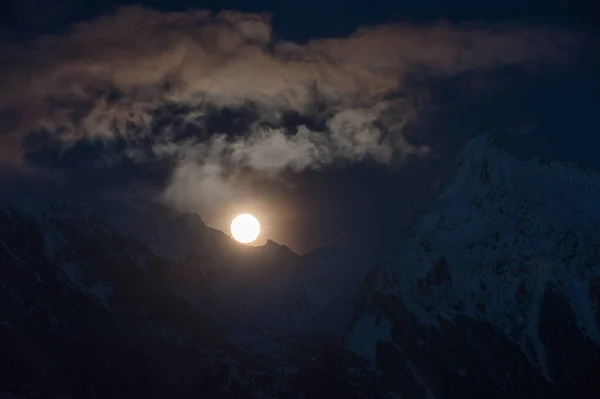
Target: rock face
(496, 291)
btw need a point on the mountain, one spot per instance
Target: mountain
(493, 292)
(85, 312)
(88, 312)
(269, 286)
(497, 290)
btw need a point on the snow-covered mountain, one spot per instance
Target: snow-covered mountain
(494, 293)
(497, 291)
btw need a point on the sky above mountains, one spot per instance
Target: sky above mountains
(331, 123)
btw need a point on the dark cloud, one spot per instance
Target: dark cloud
(113, 78)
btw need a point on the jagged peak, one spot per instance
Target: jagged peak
(64, 207)
(473, 163)
(482, 154)
(482, 141)
(481, 151)
(190, 218)
(274, 247)
(484, 169)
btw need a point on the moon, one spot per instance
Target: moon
(245, 228)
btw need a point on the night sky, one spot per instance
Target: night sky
(331, 121)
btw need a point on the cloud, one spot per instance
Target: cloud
(106, 77)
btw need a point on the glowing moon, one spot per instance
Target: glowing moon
(245, 228)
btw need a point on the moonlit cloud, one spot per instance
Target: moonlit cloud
(104, 80)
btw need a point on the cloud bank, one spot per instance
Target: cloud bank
(107, 77)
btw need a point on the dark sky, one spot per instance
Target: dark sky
(298, 20)
(360, 204)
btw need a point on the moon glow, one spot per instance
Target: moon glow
(245, 228)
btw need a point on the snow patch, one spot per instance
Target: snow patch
(366, 334)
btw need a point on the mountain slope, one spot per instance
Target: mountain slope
(87, 312)
(84, 313)
(496, 291)
(269, 286)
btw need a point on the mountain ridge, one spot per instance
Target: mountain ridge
(501, 241)
(496, 292)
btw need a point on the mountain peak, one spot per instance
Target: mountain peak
(484, 139)
(480, 141)
(190, 219)
(481, 149)
(275, 248)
